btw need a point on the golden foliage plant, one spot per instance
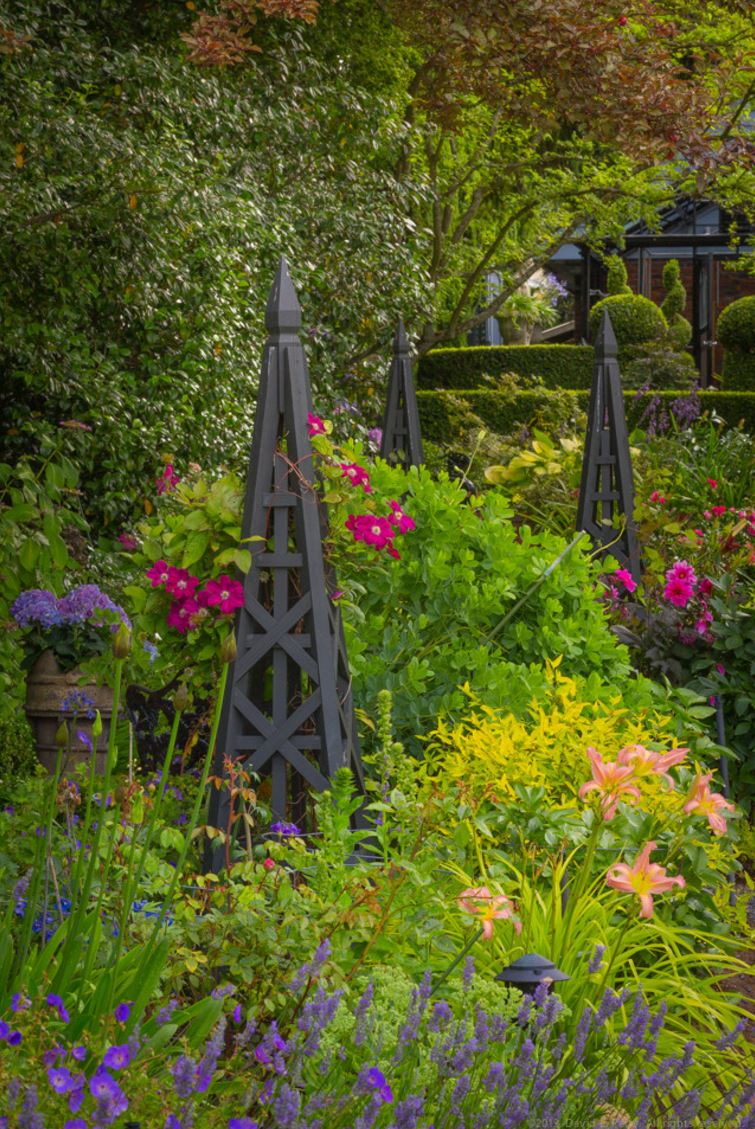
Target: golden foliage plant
(491, 753)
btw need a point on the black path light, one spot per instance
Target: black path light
(530, 970)
(606, 493)
(402, 438)
(288, 710)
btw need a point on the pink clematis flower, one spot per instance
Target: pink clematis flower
(710, 804)
(315, 426)
(613, 781)
(375, 531)
(356, 475)
(645, 878)
(626, 578)
(182, 613)
(646, 761)
(180, 583)
(401, 519)
(167, 481)
(224, 594)
(487, 908)
(159, 573)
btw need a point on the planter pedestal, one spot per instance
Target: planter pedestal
(47, 689)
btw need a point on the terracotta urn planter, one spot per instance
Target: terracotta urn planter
(50, 694)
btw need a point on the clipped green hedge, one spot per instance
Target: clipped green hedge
(558, 366)
(739, 371)
(502, 412)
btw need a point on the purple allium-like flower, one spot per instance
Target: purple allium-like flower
(117, 1057)
(123, 1011)
(596, 960)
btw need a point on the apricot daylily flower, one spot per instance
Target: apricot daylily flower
(612, 780)
(645, 878)
(487, 908)
(645, 761)
(707, 803)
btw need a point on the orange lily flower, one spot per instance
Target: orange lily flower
(710, 804)
(645, 761)
(612, 780)
(488, 908)
(645, 878)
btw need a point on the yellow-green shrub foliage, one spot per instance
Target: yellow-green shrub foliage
(492, 752)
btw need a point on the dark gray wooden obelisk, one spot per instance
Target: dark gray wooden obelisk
(288, 710)
(402, 438)
(606, 493)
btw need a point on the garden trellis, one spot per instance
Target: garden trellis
(606, 492)
(288, 710)
(402, 438)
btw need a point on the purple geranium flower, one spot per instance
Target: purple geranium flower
(117, 1057)
(60, 1079)
(123, 1011)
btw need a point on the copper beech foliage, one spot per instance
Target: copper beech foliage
(225, 37)
(630, 72)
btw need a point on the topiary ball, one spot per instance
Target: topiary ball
(736, 326)
(635, 319)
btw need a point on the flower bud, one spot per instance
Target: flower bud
(122, 642)
(228, 648)
(97, 725)
(181, 698)
(61, 735)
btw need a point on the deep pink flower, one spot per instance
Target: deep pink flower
(401, 519)
(678, 592)
(167, 481)
(712, 483)
(182, 614)
(356, 475)
(681, 570)
(656, 496)
(180, 583)
(721, 669)
(128, 543)
(705, 587)
(315, 426)
(224, 594)
(623, 21)
(701, 627)
(718, 510)
(626, 579)
(375, 531)
(159, 573)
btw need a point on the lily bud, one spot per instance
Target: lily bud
(228, 648)
(181, 698)
(122, 642)
(97, 725)
(61, 735)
